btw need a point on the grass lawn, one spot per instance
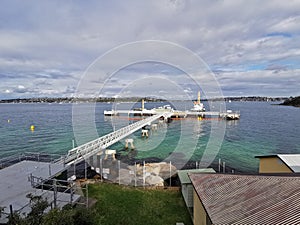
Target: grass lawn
(118, 205)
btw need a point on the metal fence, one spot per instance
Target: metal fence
(33, 156)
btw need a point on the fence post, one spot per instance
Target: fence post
(11, 213)
(101, 172)
(170, 173)
(71, 191)
(144, 169)
(119, 167)
(135, 174)
(49, 169)
(54, 192)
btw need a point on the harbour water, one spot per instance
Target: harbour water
(263, 129)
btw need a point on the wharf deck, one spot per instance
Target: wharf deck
(15, 185)
(153, 112)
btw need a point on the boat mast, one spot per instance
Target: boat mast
(198, 97)
(143, 104)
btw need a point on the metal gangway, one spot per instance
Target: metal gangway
(86, 150)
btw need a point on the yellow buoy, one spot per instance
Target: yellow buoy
(32, 127)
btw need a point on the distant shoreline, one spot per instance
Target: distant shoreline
(135, 99)
(292, 102)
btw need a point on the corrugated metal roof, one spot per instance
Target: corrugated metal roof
(183, 174)
(249, 199)
(291, 160)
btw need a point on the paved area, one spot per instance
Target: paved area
(15, 184)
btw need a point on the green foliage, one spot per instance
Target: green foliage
(15, 219)
(126, 205)
(69, 216)
(292, 101)
(38, 207)
(66, 216)
(116, 205)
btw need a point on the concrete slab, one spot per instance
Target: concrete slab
(15, 184)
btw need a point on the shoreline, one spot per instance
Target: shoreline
(190, 164)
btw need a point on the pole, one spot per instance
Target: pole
(11, 212)
(49, 169)
(135, 174)
(119, 165)
(71, 192)
(54, 193)
(87, 195)
(85, 170)
(74, 168)
(144, 175)
(219, 165)
(101, 169)
(170, 174)
(223, 167)
(73, 143)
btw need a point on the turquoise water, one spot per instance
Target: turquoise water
(262, 129)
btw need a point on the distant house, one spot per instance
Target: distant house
(187, 187)
(280, 163)
(245, 199)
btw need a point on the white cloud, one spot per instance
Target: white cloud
(53, 42)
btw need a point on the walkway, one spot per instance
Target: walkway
(84, 151)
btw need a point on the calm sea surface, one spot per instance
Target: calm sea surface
(263, 129)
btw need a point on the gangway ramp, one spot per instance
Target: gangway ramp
(84, 151)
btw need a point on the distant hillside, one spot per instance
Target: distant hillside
(80, 100)
(292, 102)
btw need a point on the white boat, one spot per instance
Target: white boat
(230, 115)
(110, 113)
(198, 106)
(165, 108)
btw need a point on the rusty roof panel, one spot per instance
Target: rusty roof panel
(249, 199)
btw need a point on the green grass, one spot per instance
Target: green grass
(118, 205)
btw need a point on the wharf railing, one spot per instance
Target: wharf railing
(81, 152)
(52, 191)
(32, 156)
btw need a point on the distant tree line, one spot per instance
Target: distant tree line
(79, 100)
(129, 99)
(292, 101)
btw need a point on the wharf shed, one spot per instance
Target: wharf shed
(245, 199)
(279, 163)
(187, 187)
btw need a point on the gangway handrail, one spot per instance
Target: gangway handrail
(90, 148)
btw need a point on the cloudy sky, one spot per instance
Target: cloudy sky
(47, 47)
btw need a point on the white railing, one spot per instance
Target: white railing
(84, 151)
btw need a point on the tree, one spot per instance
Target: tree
(66, 216)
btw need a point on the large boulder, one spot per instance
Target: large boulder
(154, 180)
(125, 177)
(165, 170)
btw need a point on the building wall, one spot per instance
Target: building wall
(190, 195)
(199, 212)
(273, 165)
(187, 193)
(184, 193)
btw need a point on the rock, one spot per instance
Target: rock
(154, 180)
(155, 173)
(156, 170)
(165, 170)
(125, 177)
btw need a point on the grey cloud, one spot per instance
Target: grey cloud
(66, 37)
